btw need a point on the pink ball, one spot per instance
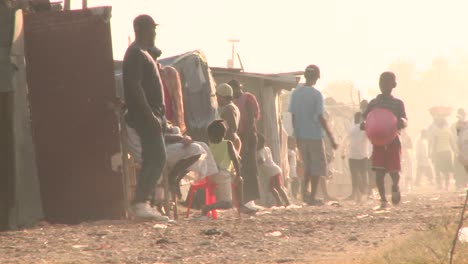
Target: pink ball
(381, 126)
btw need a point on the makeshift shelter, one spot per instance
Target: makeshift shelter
(267, 88)
(26, 207)
(198, 91)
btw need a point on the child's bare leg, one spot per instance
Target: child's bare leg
(379, 179)
(396, 196)
(396, 181)
(447, 180)
(314, 186)
(240, 197)
(276, 196)
(283, 195)
(278, 191)
(179, 171)
(180, 168)
(324, 188)
(305, 187)
(240, 191)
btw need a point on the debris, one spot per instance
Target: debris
(103, 246)
(205, 243)
(163, 241)
(285, 260)
(463, 236)
(99, 233)
(160, 226)
(274, 234)
(79, 246)
(227, 234)
(263, 212)
(334, 203)
(362, 216)
(212, 231)
(379, 210)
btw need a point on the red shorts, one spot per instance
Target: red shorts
(276, 181)
(387, 158)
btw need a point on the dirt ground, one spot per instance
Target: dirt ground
(344, 233)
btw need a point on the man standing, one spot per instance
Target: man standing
(229, 112)
(249, 114)
(306, 108)
(144, 99)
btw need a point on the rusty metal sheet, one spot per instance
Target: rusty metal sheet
(71, 81)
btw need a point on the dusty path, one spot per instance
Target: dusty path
(327, 234)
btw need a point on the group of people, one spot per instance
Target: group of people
(440, 152)
(310, 127)
(236, 154)
(233, 157)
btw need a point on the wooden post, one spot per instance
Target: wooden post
(84, 4)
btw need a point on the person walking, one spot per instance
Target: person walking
(356, 146)
(307, 110)
(387, 158)
(423, 160)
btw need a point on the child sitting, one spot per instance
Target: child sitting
(268, 168)
(226, 159)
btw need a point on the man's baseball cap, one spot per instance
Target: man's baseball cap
(224, 89)
(143, 21)
(312, 71)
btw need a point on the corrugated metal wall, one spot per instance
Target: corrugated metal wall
(71, 81)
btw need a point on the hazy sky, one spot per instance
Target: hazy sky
(348, 39)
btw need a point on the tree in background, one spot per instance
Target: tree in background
(444, 83)
(343, 92)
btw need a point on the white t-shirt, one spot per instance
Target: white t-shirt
(422, 153)
(358, 143)
(267, 167)
(292, 158)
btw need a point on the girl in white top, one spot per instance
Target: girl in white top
(268, 168)
(356, 145)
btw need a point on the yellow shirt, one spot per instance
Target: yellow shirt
(221, 155)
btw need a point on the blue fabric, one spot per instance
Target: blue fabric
(306, 106)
